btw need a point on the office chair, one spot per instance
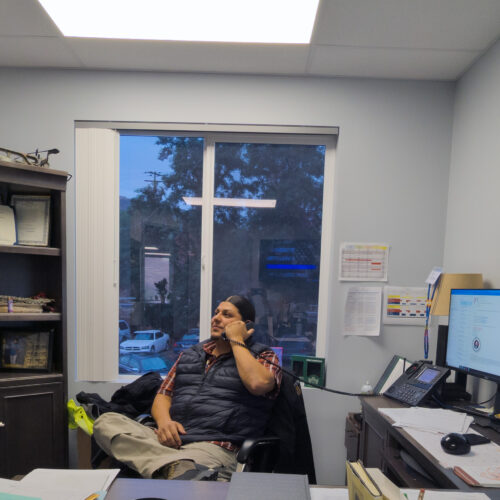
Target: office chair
(285, 447)
(259, 454)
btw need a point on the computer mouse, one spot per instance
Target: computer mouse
(455, 444)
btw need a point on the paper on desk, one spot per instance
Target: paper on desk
(62, 484)
(11, 496)
(7, 491)
(429, 419)
(319, 493)
(443, 495)
(483, 454)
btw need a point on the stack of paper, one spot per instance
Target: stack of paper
(429, 419)
(427, 426)
(59, 484)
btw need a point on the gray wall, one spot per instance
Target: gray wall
(472, 241)
(391, 184)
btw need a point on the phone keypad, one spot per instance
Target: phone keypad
(407, 393)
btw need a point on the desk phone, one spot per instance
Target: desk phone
(417, 382)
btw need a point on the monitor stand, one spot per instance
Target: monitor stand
(456, 391)
(450, 391)
(496, 405)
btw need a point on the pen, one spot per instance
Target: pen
(406, 496)
(94, 496)
(421, 494)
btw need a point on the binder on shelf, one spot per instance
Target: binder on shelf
(369, 483)
(359, 483)
(393, 371)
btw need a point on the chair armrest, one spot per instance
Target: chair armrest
(146, 419)
(250, 445)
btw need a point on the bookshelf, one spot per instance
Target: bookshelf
(33, 402)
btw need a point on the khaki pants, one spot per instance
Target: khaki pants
(138, 447)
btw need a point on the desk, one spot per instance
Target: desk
(130, 489)
(381, 446)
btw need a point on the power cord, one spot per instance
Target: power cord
(334, 391)
(488, 400)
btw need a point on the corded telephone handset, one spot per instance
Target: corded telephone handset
(417, 382)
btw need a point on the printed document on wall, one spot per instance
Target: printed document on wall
(362, 311)
(363, 261)
(404, 305)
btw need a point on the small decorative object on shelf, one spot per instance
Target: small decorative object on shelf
(37, 304)
(34, 159)
(32, 219)
(23, 349)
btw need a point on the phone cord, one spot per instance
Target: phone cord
(327, 389)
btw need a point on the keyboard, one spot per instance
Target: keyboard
(471, 410)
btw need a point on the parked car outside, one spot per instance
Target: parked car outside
(146, 341)
(189, 339)
(123, 330)
(140, 363)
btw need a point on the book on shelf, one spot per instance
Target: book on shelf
(22, 308)
(28, 305)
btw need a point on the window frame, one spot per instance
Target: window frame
(104, 367)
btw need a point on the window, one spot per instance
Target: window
(204, 215)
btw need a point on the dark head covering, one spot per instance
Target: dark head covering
(244, 306)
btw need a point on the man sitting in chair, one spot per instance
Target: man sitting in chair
(218, 393)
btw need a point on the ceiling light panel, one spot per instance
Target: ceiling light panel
(245, 21)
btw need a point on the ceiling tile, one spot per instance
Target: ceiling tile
(185, 56)
(36, 52)
(443, 24)
(389, 63)
(25, 17)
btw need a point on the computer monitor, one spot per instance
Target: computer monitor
(473, 345)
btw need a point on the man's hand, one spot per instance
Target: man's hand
(168, 433)
(237, 330)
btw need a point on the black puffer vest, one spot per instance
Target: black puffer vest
(216, 406)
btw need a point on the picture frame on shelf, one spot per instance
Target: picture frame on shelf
(7, 225)
(23, 349)
(32, 214)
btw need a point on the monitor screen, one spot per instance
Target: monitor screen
(474, 333)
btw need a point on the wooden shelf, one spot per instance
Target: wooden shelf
(33, 402)
(4, 317)
(30, 250)
(20, 376)
(33, 168)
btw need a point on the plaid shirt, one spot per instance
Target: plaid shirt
(268, 357)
